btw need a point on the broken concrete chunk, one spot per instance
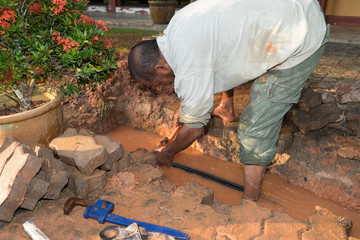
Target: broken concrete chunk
(36, 190)
(85, 132)
(69, 132)
(318, 117)
(80, 151)
(309, 99)
(348, 92)
(15, 179)
(113, 148)
(54, 172)
(6, 154)
(197, 192)
(85, 185)
(327, 225)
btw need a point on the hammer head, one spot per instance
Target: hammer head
(75, 201)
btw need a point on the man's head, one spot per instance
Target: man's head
(147, 65)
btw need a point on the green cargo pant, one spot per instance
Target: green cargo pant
(271, 97)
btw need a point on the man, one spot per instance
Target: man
(212, 46)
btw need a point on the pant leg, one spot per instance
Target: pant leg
(271, 97)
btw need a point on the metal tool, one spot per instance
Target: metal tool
(33, 231)
(101, 211)
(167, 140)
(76, 201)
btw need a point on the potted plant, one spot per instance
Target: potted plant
(42, 40)
(161, 11)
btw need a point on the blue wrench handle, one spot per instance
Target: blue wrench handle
(102, 214)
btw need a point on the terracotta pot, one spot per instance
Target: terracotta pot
(162, 11)
(37, 126)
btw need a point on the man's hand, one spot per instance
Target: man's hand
(163, 157)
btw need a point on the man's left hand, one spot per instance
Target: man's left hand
(163, 157)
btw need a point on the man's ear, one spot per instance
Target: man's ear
(162, 66)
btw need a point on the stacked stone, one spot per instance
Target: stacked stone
(82, 162)
(329, 103)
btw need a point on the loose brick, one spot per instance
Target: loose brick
(6, 154)
(85, 185)
(80, 151)
(54, 172)
(114, 149)
(36, 190)
(15, 179)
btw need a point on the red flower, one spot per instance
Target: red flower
(65, 42)
(86, 20)
(7, 15)
(101, 25)
(106, 43)
(36, 7)
(61, 5)
(95, 38)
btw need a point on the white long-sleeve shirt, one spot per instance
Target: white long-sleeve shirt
(215, 45)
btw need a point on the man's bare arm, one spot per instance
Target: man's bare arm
(185, 137)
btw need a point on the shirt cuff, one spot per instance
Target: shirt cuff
(194, 125)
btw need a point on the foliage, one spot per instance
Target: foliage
(42, 39)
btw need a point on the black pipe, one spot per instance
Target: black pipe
(208, 176)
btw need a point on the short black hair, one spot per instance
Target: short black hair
(142, 59)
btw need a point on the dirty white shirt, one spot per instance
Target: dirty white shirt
(215, 45)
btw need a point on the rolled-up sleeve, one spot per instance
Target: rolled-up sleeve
(197, 97)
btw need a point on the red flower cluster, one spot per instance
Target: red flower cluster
(95, 38)
(36, 7)
(86, 20)
(67, 43)
(106, 43)
(101, 25)
(61, 5)
(6, 16)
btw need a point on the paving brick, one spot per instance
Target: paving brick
(80, 151)
(326, 225)
(35, 192)
(85, 185)
(282, 227)
(54, 172)
(15, 179)
(114, 149)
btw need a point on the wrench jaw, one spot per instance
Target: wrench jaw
(99, 211)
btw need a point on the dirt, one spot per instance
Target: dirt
(13, 109)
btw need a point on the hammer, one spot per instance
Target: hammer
(76, 201)
(167, 140)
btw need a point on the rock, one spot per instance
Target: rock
(309, 99)
(114, 149)
(36, 190)
(245, 221)
(141, 156)
(326, 225)
(197, 192)
(282, 226)
(15, 179)
(348, 92)
(85, 132)
(86, 185)
(54, 172)
(318, 117)
(80, 151)
(352, 112)
(6, 154)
